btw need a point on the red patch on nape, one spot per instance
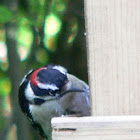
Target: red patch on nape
(34, 79)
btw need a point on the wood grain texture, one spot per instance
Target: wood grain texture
(113, 38)
(96, 128)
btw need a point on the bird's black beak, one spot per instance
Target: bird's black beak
(74, 89)
(71, 90)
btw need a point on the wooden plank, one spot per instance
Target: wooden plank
(98, 128)
(113, 38)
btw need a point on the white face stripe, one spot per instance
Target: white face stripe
(29, 93)
(60, 69)
(30, 96)
(47, 86)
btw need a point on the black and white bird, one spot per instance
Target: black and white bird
(50, 91)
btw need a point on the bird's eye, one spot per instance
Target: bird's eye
(50, 93)
(53, 93)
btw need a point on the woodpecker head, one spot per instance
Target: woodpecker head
(42, 85)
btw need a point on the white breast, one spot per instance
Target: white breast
(46, 111)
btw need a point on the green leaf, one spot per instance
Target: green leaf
(5, 14)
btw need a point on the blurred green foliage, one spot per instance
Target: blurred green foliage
(42, 32)
(5, 14)
(24, 38)
(5, 86)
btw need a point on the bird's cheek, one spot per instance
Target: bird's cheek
(67, 86)
(57, 95)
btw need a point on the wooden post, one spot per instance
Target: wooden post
(97, 128)
(113, 38)
(113, 44)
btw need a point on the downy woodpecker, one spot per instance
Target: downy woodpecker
(50, 91)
